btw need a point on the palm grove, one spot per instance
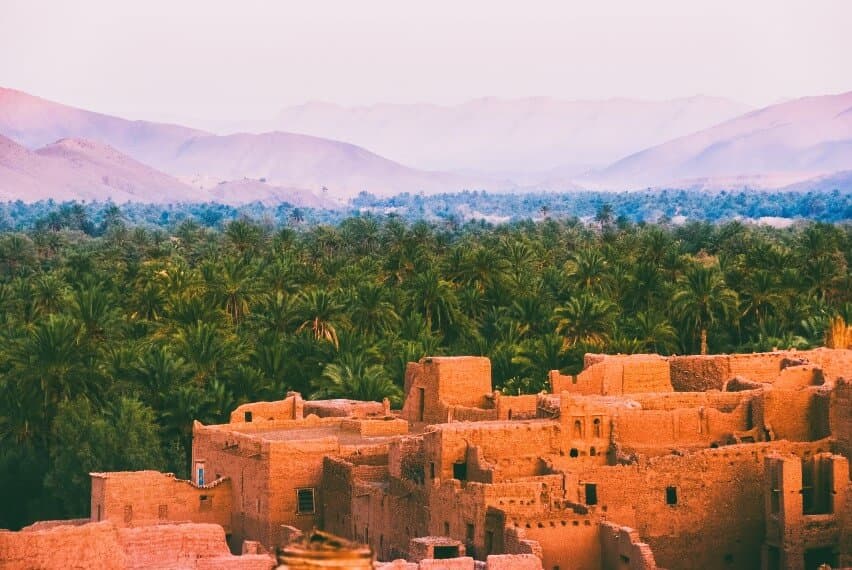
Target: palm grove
(113, 343)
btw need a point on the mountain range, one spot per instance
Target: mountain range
(510, 137)
(52, 150)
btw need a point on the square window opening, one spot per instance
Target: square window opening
(305, 501)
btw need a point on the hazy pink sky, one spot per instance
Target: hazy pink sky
(184, 59)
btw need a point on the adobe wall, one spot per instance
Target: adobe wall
(616, 374)
(388, 518)
(465, 510)
(244, 460)
(647, 430)
(103, 545)
(513, 447)
(840, 418)
(790, 528)
(700, 373)
(437, 383)
(622, 549)
(567, 540)
(797, 414)
(290, 408)
(294, 465)
(719, 515)
(92, 545)
(130, 498)
(517, 407)
(586, 428)
(343, 408)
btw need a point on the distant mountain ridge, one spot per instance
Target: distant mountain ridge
(79, 169)
(284, 159)
(774, 146)
(510, 136)
(805, 142)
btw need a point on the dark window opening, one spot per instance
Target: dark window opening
(431, 470)
(597, 427)
(773, 555)
(574, 452)
(671, 495)
(99, 512)
(468, 534)
(816, 487)
(593, 452)
(591, 494)
(247, 416)
(445, 552)
(460, 471)
(421, 404)
(816, 557)
(305, 504)
(489, 541)
(578, 428)
(205, 502)
(774, 492)
(446, 529)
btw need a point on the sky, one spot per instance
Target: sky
(188, 59)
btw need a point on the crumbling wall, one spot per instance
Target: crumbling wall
(188, 546)
(622, 549)
(93, 545)
(290, 408)
(699, 373)
(665, 429)
(137, 497)
(344, 408)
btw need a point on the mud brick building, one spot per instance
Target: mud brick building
(636, 463)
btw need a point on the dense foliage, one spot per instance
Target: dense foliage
(454, 209)
(114, 337)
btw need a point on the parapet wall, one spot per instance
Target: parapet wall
(290, 408)
(131, 498)
(616, 374)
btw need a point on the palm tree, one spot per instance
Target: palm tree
(371, 310)
(206, 350)
(585, 319)
(588, 269)
(702, 299)
(655, 332)
(369, 383)
(234, 285)
(319, 312)
(435, 299)
(50, 364)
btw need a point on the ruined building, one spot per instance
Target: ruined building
(638, 462)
